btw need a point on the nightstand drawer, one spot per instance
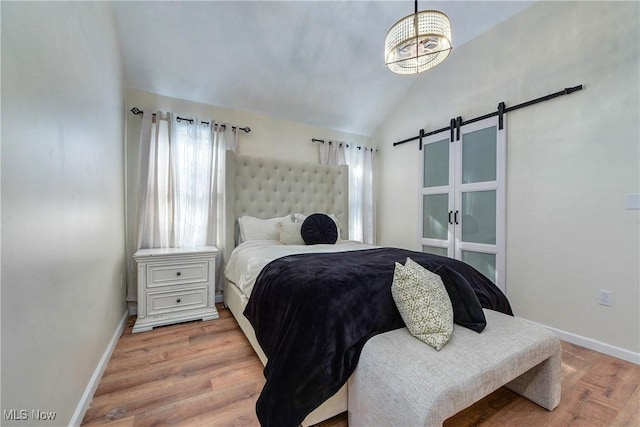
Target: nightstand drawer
(177, 274)
(171, 302)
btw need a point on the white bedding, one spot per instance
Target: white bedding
(249, 258)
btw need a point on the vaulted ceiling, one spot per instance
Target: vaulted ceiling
(315, 62)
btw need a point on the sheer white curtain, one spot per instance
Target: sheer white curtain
(361, 197)
(197, 160)
(180, 199)
(155, 192)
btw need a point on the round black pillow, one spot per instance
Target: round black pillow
(319, 228)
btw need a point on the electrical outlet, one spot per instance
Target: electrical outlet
(605, 297)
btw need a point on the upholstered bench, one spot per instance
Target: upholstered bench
(401, 381)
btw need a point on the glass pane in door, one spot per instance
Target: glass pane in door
(435, 216)
(436, 163)
(479, 156)
(484, 263)
(479, 217)
(434, 250)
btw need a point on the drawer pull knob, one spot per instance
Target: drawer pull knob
(178, 300)
(178, 273)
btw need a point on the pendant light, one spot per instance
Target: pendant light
(418, 42)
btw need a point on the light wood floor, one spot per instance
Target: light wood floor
(206, 373)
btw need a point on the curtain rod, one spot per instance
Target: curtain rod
(330, 142)
(457, 122)
(138, 112)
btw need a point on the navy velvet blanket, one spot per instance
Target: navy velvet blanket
(313, 314)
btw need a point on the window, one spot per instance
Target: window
(180, 183)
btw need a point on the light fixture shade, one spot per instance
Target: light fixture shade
(418, 42)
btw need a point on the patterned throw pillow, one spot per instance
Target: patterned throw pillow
(290, 227)
(423, 303)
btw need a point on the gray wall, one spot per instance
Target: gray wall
(570, 161)
(62, 201)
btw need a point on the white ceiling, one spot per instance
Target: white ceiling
(315, 62)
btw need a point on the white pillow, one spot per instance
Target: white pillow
(258, 229)
(290, 229)
(338, 225)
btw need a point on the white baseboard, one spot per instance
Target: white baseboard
(595, 345)
(87, 396)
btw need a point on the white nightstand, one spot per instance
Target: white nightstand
(175, 285)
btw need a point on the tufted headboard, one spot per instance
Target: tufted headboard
(268, 188)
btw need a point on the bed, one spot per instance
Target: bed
(267, 289)
(265, 188)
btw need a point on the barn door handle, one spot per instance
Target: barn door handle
(455, 217)
(450, 222)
